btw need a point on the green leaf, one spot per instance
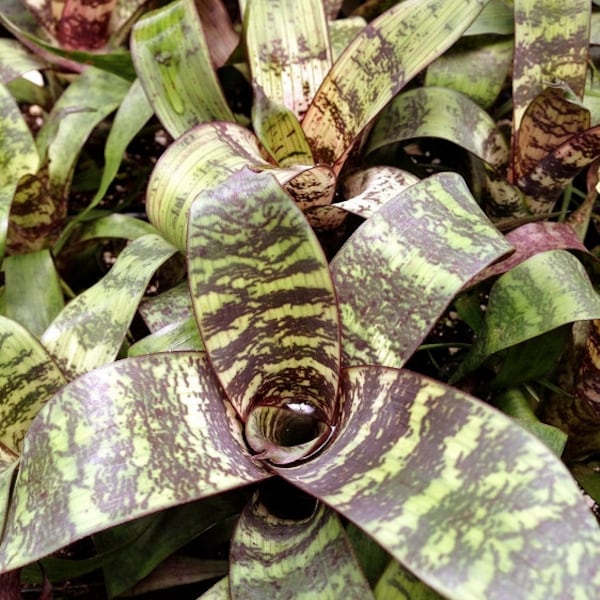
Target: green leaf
(32, 294)
(496, 17)
(290, 57)
(546, 291)
(18, 156)
(274, 557)
(85, 103)
(173, 63)
(121, 442)
(469, 502)
(89, 331)
(476, 67)
(440, 113)
(387, 54)
(170, 307)
(156, 537)
(180, 335)
(28, 378)
(15, 60)
(550, 45)
(399, 584)
(266, 309)
(400, 270)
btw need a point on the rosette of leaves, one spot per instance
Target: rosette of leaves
(289, 389)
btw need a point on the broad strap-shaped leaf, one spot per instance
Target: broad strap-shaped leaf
(440, 113)
(544, 292)
(397, 583)
(18, 156)
(133, 113)
(468, 501)
(477, 67)
(266, 309)
(399, 271)
(376, 65)
(531, 239)
(28, 378)
(342, 32)
(274, 557)
(288, 50)
(84, 104)
(179, 335)
(551, 44)
(173, 63)
(123, 441)
(90, 330)
(169, 307)
(32, 291)
(279, 130)
(551, 118)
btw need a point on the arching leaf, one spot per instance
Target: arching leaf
(123, 441)
(468, 501)
(272, 557)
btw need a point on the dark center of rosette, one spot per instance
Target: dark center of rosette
(285, 429)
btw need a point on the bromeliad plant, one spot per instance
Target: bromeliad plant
(289, 388)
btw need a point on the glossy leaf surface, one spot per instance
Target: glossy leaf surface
(154, 433)
(264, 302)
(376, 65)
(468, 501)
(173, 63)
(418, 250)
(273, 557)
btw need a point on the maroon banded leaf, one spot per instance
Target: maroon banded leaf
(275, 557)
(467, 500)
(136, 436)
(266, 309)
(400, 270)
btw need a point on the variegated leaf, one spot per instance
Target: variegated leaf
(173, 63)
(397, 583)
(179, 335)
(418, 251)
(440, 113)
(467, 500)
(16, 60)
(18, 156)
(90, 330)
(28, 378)
(376, 65)
(169, 307)
(267, 313)
(544, 292)
(288, 50)
(120, 442)
(84, 25)
(551, 44)
(275, 557)
(32, 293)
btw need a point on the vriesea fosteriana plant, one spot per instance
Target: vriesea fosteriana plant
(289, 389)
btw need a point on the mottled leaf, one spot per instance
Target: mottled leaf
(544, 292)
(376, 65)
(84, 25)
(28, 378)
(274, 557)
(89, 331)
(18, 156)
(551, 44)
(121, 442)
(418, 251)
(288, 50)
(180, 335)
(169, 307)
(267, 312)
(440, 113)
(551, 119)
(32, 293)
(399, 584)
(468, 501)
(477, 67)
(173, 63)
(496, 18)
